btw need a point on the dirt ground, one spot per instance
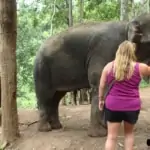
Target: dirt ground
(73, 136)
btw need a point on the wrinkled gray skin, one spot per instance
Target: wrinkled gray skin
(74, 60)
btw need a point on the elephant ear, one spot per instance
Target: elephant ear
(134, 32)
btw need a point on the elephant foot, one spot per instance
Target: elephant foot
(44, 126)
(56, 125)
(97, 131)
(104, 125)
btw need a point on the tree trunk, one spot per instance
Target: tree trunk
(89, 96)
(124, 10)
(148, 6)
(83, 96)
(145, 6)
(0, 103)
(70, 14)
(8, 34)
(52, 18)
(74, 97)
(136, 8)
(132, 10)
(80, 11)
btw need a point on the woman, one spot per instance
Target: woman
(123, 101)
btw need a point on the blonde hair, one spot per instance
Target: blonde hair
(123, 63)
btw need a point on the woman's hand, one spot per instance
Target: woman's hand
(101, 105)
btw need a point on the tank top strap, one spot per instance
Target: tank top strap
(110, 72)
(137, 68)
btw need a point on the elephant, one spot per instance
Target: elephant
(74, 59)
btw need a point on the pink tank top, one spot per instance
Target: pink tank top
(124, 95)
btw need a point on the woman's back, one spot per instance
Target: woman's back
(123, 100)
(124, 95)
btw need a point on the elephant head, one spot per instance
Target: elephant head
(134, 32)
(138, 31)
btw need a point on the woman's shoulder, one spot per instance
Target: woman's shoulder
(108, 66)
(142, 65)
(143, 68)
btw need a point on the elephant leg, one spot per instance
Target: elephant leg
(45, 111)
(54, 110)
(97, 127)
(44, 94)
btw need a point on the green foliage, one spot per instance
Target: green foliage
(108, 10)
(144, 84)
(34, 26)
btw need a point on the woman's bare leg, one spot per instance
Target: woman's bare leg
(113, 129)
(129, 136)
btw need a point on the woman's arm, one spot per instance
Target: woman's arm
(103, 83)
(144, 70)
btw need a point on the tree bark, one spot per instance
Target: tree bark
(148, 6)
(74, 97)
(52, 18)
(81, 11)
(8, 35)
(70, 14)
(0, 103)
(145, 6)
(124, 10)
(83, 96)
